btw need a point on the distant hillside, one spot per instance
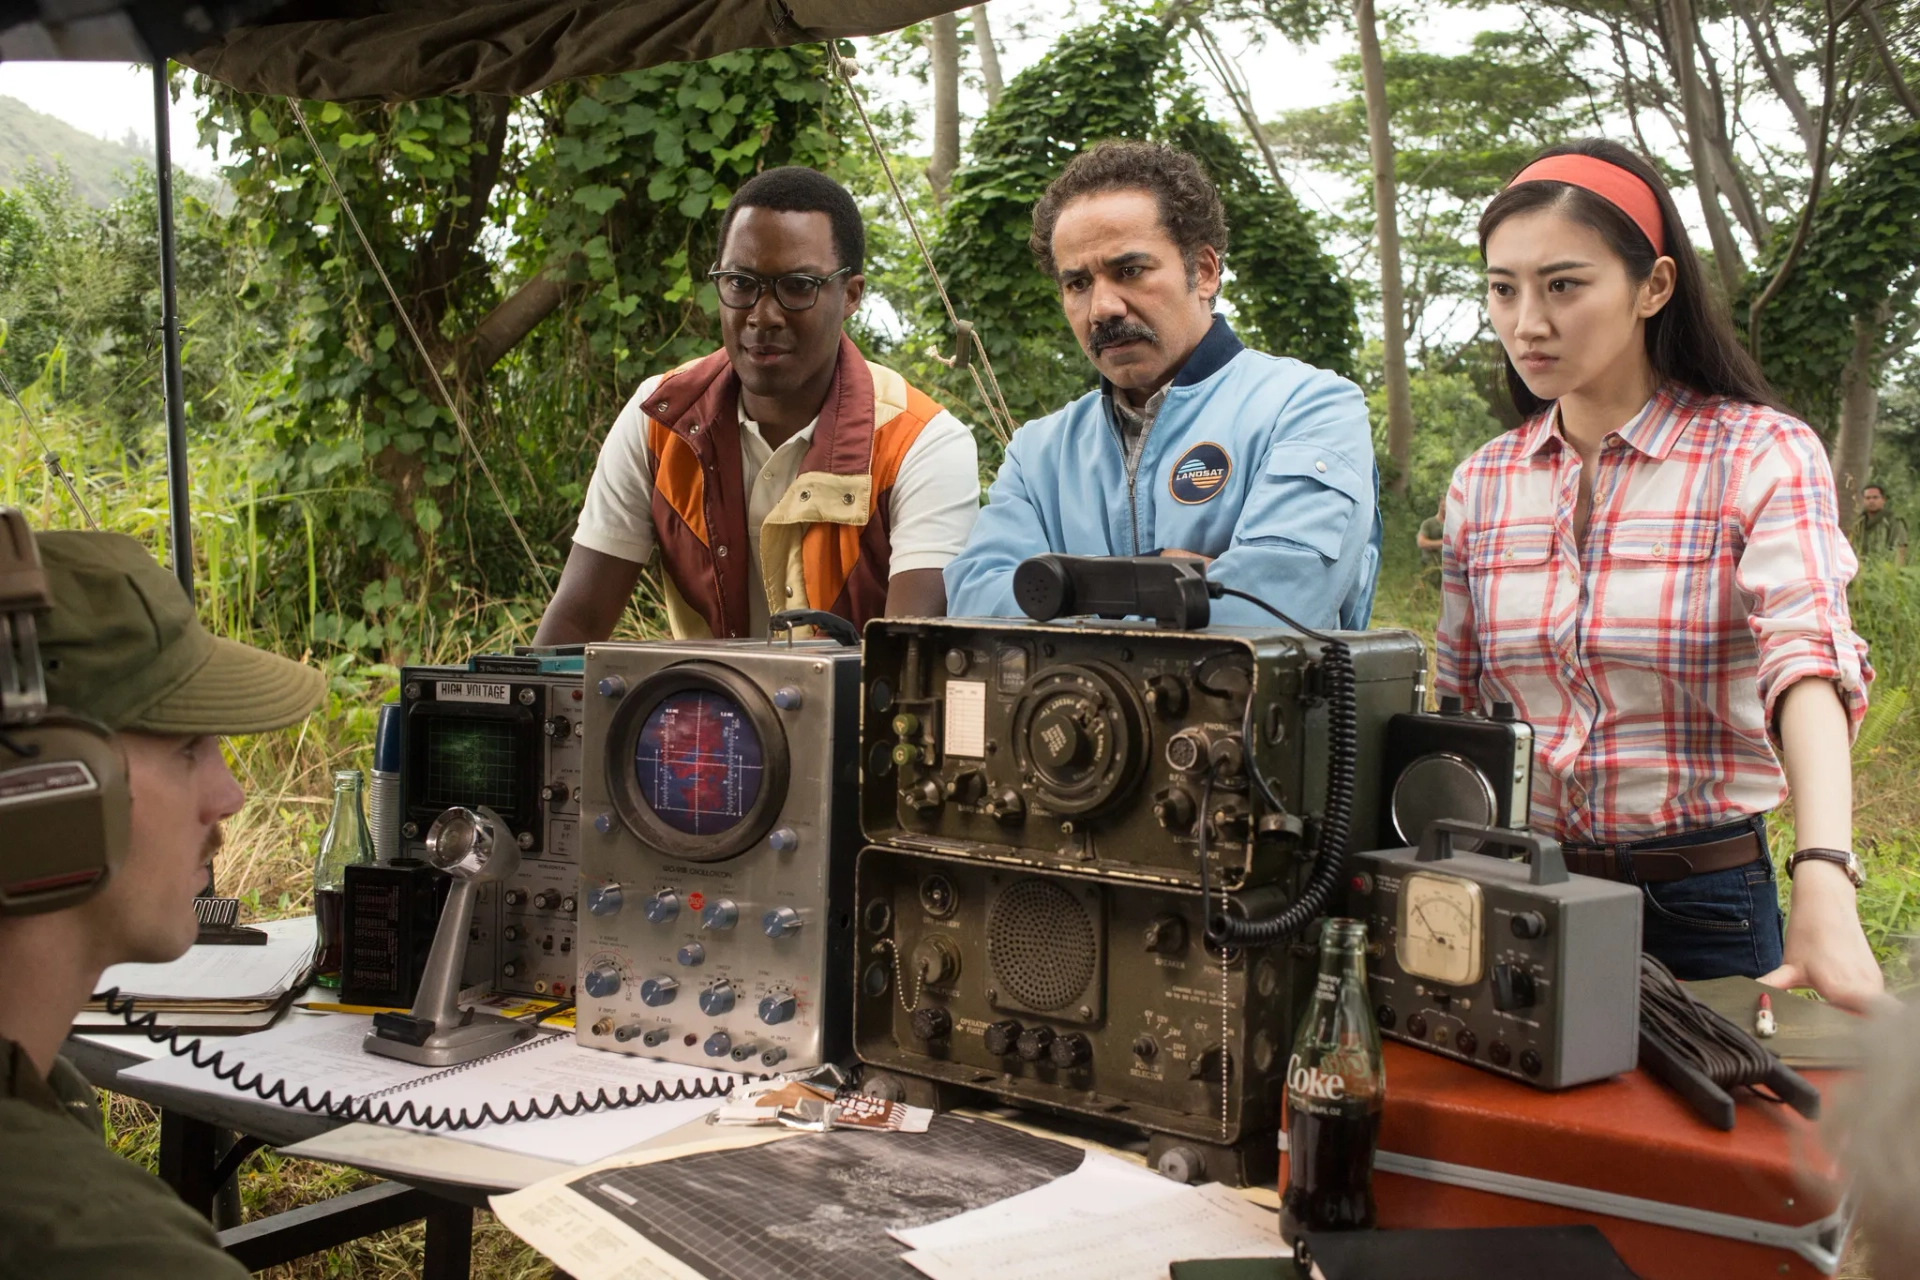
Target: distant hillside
(27, 137)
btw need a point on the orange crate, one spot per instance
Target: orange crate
(1679, 1200)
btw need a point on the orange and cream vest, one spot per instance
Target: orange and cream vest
(827, 542)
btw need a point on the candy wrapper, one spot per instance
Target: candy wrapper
(813, 1109)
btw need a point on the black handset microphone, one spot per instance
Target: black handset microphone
(1169, 590)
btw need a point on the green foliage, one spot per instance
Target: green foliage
(1119, 78)
(1860, 260)
(1453, 422)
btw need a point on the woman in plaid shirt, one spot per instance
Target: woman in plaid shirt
(1650, 568)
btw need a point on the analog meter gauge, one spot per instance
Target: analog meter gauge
(1440, 929)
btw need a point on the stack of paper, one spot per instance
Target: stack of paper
(213, 988)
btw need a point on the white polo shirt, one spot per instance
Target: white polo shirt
(936, 495)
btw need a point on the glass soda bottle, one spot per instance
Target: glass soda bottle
(1335, 1089)
(347, 842)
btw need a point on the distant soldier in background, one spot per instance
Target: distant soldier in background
(1877, 533)
(1431, 538)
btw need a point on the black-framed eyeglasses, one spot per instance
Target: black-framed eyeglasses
(794, 291)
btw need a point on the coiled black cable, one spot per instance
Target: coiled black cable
(407, 1112)
(1704, 1040)
(1336, 819)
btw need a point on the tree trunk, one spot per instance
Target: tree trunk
(1726, 252)
(1386, 227)
(989, 55)
(946, 104)
(1859, 408)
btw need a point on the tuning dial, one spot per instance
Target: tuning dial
(546, 900)
(1166, 696)
(1070, 1050)
(1174, 809)
(931, 1022)
(783, 840)
(716, 1000)
(1512, 988)
(1005, 805)
(787, 698)
(1034, 1043)
(721, 913)
(658, 991)
(1529, 925)
(924, 796)
(663, 907)
(1166, 935)
(776, 1008)
(718, 1044)
(611, 686)
(780, 922)
(558, 727)
(1002, 1037)
(555, 792)
(601, 981)
(691, 954)
(515, 897)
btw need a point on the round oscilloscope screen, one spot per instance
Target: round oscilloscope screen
(699, 762)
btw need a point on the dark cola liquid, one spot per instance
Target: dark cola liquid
(1329, 1169)
(329, 912)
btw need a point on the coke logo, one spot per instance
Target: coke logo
(1311, 1082)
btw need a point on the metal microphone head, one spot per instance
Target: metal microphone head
(472, 844)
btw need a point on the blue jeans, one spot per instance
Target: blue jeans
(1715, 923)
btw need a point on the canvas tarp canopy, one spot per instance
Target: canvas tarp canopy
(394, 50)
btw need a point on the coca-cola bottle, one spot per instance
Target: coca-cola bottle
(1335, 1088)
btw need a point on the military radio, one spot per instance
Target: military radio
(1457, 765)
(717, 864)
(1110, 747)
(1515, 967)
(502, 733)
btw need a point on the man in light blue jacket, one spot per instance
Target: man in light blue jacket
(1193, 445)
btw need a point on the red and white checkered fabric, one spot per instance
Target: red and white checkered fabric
(1714, 575)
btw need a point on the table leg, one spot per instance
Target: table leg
(449, 1242)
(189, 1153)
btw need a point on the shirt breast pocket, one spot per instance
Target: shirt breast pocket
(1659, 569)
(1509, 571)
(1305, 495)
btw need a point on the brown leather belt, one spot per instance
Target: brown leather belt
(1660, 865)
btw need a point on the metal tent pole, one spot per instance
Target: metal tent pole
(179, 512)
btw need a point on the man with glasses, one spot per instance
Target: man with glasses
(783, 471)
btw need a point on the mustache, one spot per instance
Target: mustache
(215, 839)
(1107, 333)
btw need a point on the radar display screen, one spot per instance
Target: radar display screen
(470, 762)
(699, 762)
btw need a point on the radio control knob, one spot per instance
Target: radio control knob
(1417, 1026)
(716, 1000)
(1529, 925)
(1450, 704)
(611, 686)
(780, 922)
(692, 953)
(718, 1044)
(558, 727)
(546, 900)
(924, 796)
(967, 787)
(1173, 809)
(555, 792)
(569, 906)
(658, 991)
(511, 933)
(663, 907)
(1512, 988)
(514, 897)
(931, 1022)
(603, 823)
(1002, 1037)
(1145, 1048)
(1034, 1043)
(787, 698)
(1070, 1050)
(783, 840)
(601, 981)
(1166, 935)
(721, 913)
(1229, 819)
(1166, 696)
(776, 1009)
(1006, 806)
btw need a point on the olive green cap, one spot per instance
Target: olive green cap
(122, 646)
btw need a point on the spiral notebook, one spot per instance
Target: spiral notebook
(322, 1054)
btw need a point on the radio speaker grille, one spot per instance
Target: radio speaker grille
(1042, 944)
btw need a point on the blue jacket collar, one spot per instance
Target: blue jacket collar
(1219, 346)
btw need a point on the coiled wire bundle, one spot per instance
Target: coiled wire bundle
(1702, 1056)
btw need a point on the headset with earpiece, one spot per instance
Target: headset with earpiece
(64, 802)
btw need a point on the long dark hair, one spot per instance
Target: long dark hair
(1691, 339)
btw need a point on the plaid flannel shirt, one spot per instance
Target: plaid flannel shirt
(1649, 663)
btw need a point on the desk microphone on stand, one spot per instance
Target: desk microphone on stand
(467, 844)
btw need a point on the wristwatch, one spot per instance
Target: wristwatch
(1846, 859)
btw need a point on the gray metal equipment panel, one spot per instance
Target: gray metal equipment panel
(718, 835)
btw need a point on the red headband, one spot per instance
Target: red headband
(1618, 187)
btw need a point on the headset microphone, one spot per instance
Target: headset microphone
(64, 804)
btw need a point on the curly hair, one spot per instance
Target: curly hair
(1190, 207)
